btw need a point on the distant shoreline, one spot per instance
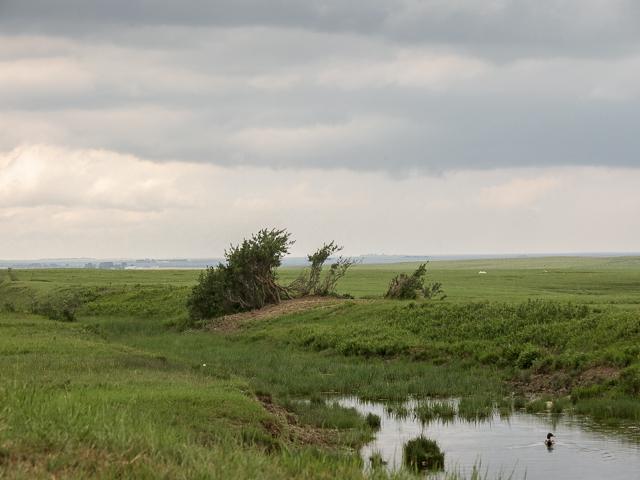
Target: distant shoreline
(200, 263)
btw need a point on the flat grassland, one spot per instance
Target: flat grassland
(134, 389)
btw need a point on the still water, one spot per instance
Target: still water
(513, 446)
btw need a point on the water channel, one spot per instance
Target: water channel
(512, 447)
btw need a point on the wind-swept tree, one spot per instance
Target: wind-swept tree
(310, 282)
(246, 281)
(411, 287)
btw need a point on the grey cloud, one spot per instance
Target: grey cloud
(498, 28)
(195, 81)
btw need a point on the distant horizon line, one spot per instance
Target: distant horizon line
(291, 259)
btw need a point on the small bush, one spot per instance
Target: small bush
(59, 306)
(412, 287)
(310, 282)
(246, 281)
(423, 453)
(527, 357)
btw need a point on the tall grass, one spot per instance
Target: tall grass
(427, 411)
(476, 407)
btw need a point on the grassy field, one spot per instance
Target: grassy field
(119, 394)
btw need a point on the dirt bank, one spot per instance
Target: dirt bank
(232, 323)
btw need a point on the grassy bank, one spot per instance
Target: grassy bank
(75, 404)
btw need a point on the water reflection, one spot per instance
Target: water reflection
(510, 444)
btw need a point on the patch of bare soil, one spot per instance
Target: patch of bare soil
(232, 323)
(561, 382)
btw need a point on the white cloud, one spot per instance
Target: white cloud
(58, 202)
(45, 175)
(519, 193)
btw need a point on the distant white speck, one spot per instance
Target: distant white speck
(204, 364)
(481, 271)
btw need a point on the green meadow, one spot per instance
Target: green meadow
(133, 389)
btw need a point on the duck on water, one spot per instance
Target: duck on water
(549, 442)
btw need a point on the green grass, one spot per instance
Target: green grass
(518, 335)
(428, 411)
(74, 404)
(117, 394)
(595, 280)
(476, 407)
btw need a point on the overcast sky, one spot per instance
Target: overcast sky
(155, 128)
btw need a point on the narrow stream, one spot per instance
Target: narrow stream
(512, 446)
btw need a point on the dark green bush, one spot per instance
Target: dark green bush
(246, 281)
(423, 453)
(527, 357)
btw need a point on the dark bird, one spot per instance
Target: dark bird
(549, 442)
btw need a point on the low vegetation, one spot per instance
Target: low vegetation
(423, 454)
(129, 389)
(412, 287)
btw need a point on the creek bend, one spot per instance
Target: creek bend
(511, 446)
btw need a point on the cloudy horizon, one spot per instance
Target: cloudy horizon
(155, 129)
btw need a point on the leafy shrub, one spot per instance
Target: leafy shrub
(412, 287)
(309, 282)
(247, 281)
(527, 357)
(59, 306)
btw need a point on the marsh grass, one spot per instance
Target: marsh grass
(398, 410)
(505, 406)
(476, 407)
(609, 409)
(560, 405)
(519, 402)
(423, 453)
(538, 406)
(373, 420)
(427, 411)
